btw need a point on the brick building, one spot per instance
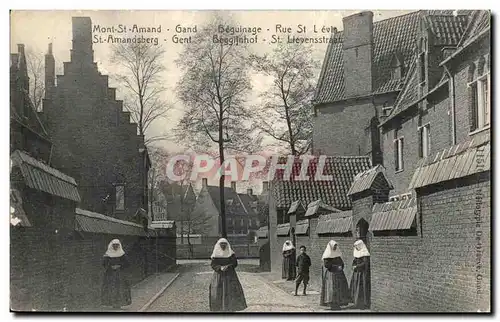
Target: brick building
(95, 141)
(423, 207)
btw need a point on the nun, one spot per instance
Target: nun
(225, 291)
(115, 288)
(334, 287)
(360, 281)
(288, 271)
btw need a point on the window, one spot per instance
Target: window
(120, 197)
(398, 154)
(421, 59)
(480, 102)
(424, 133)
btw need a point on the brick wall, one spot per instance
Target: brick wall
(50, 271)
(436, 271)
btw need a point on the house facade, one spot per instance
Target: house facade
(242, 217)
(97, 143)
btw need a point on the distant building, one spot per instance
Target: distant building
(96, 142)
(242, 218)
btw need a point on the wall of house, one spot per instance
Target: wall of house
(438, 115)
(53, 270)
(401, 179)
(94, 141)
(337, 124)
(462, 96)
(205, 208)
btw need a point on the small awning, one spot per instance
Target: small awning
(458, 161)
(319, 206)
(336, 223)
(283, 230)
(92, 222)
(296, 207)
(302, 227)
(366, 179)
(40, 176)
(397, 215)
(263, 232)
(17, 215)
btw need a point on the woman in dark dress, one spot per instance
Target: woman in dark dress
(115, 288)
(360, 281)
(226, 293)
(334, 288)
(289, 270)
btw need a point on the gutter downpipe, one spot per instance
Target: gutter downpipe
(452, 96)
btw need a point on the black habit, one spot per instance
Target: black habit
(361, 283)
(226, 293)
(334, 288)
(289, 269)
(115, 288)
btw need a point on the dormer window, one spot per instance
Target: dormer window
(229, 202)
(396, 67)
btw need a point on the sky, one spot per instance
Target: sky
(36, 29)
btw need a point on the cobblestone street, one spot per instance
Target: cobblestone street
(189, 292)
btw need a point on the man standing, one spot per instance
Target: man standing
(303, 264)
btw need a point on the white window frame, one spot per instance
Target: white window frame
(483, 101)
(399, 166)
(424, 132)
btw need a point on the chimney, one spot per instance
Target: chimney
(82, 40)
(357, 54)
(50, 72)
(233, 185)
(204, 182)
(250, 191)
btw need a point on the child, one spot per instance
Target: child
(303, 264)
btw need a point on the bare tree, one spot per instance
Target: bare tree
(286, 114)
(141, 76)
(213, 88)
(36, 73)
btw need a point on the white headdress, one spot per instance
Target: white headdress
(360, 249)
(288, 246)
(330, 252)
(111, 252)
(219, 253)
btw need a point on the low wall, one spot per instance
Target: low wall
(204, 251)
(56, 270)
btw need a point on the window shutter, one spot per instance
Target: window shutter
(420, 142)
(473, 107)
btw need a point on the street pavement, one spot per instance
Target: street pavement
(189, 292)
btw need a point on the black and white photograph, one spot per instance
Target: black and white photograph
(250, 161)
